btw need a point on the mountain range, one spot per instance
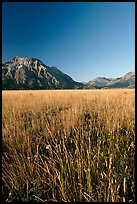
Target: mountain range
(31, 73)
(127, 81)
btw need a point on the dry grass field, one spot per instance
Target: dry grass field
(68, 145)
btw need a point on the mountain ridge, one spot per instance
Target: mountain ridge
(126, 81)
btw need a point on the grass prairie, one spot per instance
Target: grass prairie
(68, 145)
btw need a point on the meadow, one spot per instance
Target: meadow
(68, 145)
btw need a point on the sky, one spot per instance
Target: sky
(83, 39)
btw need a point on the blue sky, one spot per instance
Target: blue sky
(83, 39)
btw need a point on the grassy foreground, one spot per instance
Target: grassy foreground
(75, 145)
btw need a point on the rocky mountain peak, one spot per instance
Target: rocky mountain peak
(32, 73)
(129, 75)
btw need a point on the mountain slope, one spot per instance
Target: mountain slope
(65, 80)
(127, 81)
(31, 73)
(124, 82)
(99, 82)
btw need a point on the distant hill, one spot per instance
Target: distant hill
(31, 73)
(127, 81)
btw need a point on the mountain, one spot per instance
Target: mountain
(99, 82)
(127, 81)
(31, 73)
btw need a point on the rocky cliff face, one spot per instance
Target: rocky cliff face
(31, 73)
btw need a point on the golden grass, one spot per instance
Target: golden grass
(68, 145)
